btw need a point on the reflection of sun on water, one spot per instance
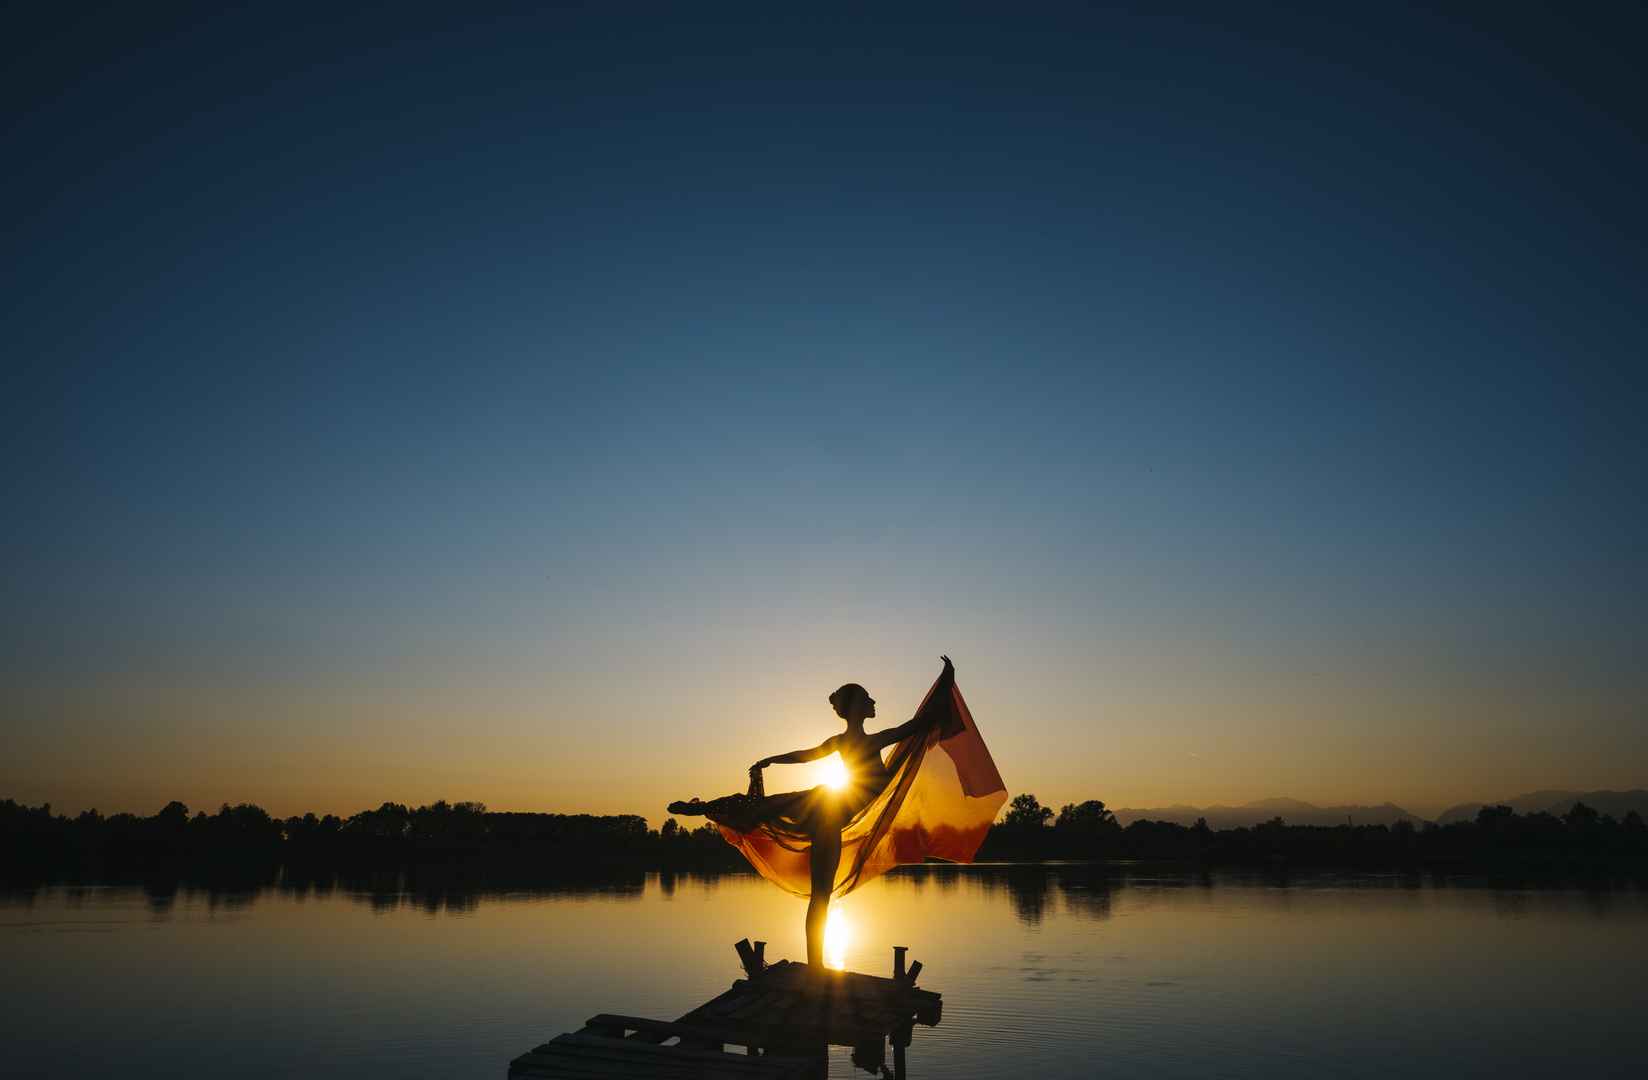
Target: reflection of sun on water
(837, 933)
(835, 771)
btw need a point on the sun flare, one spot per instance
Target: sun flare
(835, 772)
(838, 933)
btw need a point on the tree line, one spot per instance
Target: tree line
(1497, 836)
(36, 844)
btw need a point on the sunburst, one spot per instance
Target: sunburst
(835, 772)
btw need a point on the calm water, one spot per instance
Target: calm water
(1055, 972)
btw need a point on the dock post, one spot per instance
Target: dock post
(898, 961)
(900, 1040)
(747, 957)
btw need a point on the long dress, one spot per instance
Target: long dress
(925, 805)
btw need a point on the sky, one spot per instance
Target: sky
(551, 407)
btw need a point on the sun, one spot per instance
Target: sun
(838, 933)
(835, 772)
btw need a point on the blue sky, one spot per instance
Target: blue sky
(586, 385)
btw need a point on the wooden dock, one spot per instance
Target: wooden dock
(782, 1016)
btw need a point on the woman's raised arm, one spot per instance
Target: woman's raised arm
(913, 725)
(797, 757)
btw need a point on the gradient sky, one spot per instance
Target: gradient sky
(552, 408)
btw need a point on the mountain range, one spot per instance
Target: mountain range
(1555, 801)
(1292, 811)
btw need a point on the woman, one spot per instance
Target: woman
(824, 810)
(934, 796)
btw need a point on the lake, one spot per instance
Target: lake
(1056, 971)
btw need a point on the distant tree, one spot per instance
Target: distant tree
(1085, 830)
(1497, 824)
(670, 829)
(1025, 812)
(1581, 817)
(391, 821)
(1086, 817)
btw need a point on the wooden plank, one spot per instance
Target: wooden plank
(568, 1063)
(665, 1028)
(745, 1034)
(626, 1058)
(599, 1045)
(868, 988)
(785, 1004)
(795, 976)
(834, 1007)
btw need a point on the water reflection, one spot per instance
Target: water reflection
(434, 891)
(1030, 888)
(838, 934)
(1033, 891)
(1171, 974)
(1086, 895)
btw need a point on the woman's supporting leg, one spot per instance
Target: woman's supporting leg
(826, 857)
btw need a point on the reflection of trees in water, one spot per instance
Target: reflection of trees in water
(1026, 886)
(1600, 901)
(945, 877)
(230, 900)
(161, 894)
(460, 888)
(1510, 904)
(1029, 888)
(1086, 891)
(434, 889)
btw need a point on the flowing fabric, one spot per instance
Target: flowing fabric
(930, 805)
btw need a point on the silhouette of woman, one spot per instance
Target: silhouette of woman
(826, 809)
(797, 836)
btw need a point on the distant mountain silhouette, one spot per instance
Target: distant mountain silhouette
(1557, 802)
(1292, 811)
